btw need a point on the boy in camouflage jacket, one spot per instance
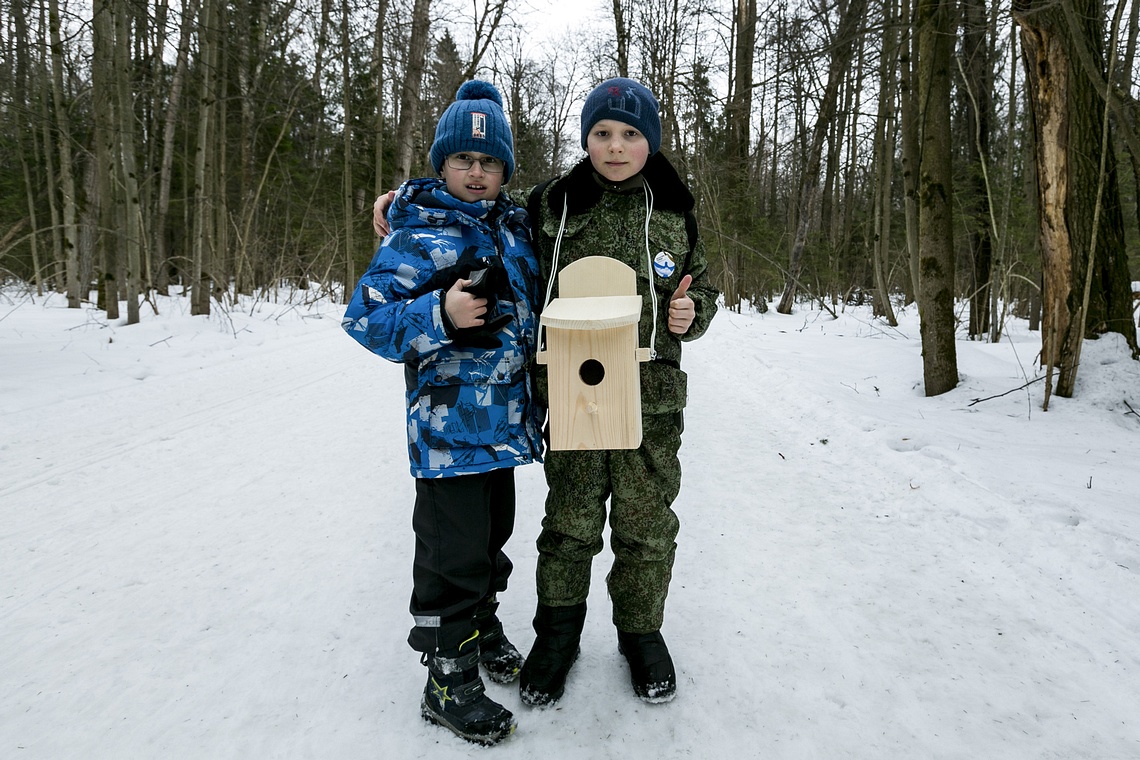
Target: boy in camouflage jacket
(625, 201)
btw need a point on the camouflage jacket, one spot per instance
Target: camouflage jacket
(470, 409)
(610, 221)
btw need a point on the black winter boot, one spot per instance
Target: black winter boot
(499, 657)
(650, 666)
(555, 649)
(454, 698)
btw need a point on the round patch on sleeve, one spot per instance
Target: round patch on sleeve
(663, 264)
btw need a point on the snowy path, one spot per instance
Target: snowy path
(205, 551)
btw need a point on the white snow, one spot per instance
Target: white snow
(205, 549)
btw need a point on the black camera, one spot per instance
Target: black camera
(488, 282)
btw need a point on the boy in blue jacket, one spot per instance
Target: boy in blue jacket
(451, 294)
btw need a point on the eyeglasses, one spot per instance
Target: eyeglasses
(463, 161)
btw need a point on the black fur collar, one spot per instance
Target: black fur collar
(584, 190)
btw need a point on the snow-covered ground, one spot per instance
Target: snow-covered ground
(205, 550)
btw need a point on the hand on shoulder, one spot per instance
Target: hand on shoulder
(380, 213)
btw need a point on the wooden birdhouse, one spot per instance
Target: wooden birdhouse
(592, 355)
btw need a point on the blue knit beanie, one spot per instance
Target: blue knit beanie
(475, 122)
(623, 100)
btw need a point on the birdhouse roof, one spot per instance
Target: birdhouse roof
(592, 312)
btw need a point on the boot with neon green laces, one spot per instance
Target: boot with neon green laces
(454, 697)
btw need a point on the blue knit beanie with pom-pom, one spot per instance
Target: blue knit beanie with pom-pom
(475, 122)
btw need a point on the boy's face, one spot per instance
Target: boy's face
(617, 150)
(480, 181)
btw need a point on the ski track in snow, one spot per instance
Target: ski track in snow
(206, 552)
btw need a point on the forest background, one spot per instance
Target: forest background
(980, 159)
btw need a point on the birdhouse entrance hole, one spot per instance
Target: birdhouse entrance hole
(592, 372)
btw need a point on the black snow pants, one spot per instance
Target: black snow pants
(461, 525)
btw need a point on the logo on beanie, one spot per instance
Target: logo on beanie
(478, 125)
(625, 100)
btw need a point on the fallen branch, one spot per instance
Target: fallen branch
(1011, 390)
(1130, 409)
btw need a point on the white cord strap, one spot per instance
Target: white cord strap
(649, 270)
(554, 264)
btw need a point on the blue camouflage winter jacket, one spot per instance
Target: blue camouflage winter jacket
(470, 409)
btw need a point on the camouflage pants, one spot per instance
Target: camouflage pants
(641, 485)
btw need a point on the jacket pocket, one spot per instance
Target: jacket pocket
(664, 388)
(467, 404)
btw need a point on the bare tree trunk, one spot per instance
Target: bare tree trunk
(623, 9)
(379, 185)
(26, 143)
(410, 91)
(66, 171)
(740, 101)
(248, 64)
(219, 269)
(155, 28)
(841, 53)
(318, 74)
(1130, 47)
(203, 184)
(774, 171)
(1068, 122)
(170, 125)
(33, 239)
(103, 205)
(1001, 286)
(978, 78)
(87, 224)
(849, 205)
(935, 192)
(1126, 67)
(346, 199)
(59, 265)
(128, 171)
(908, 111)
(884, 163)
(738, 206)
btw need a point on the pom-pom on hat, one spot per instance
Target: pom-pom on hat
(627, 101)
(475, 122)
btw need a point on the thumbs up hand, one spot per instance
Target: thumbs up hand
(682, 310)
